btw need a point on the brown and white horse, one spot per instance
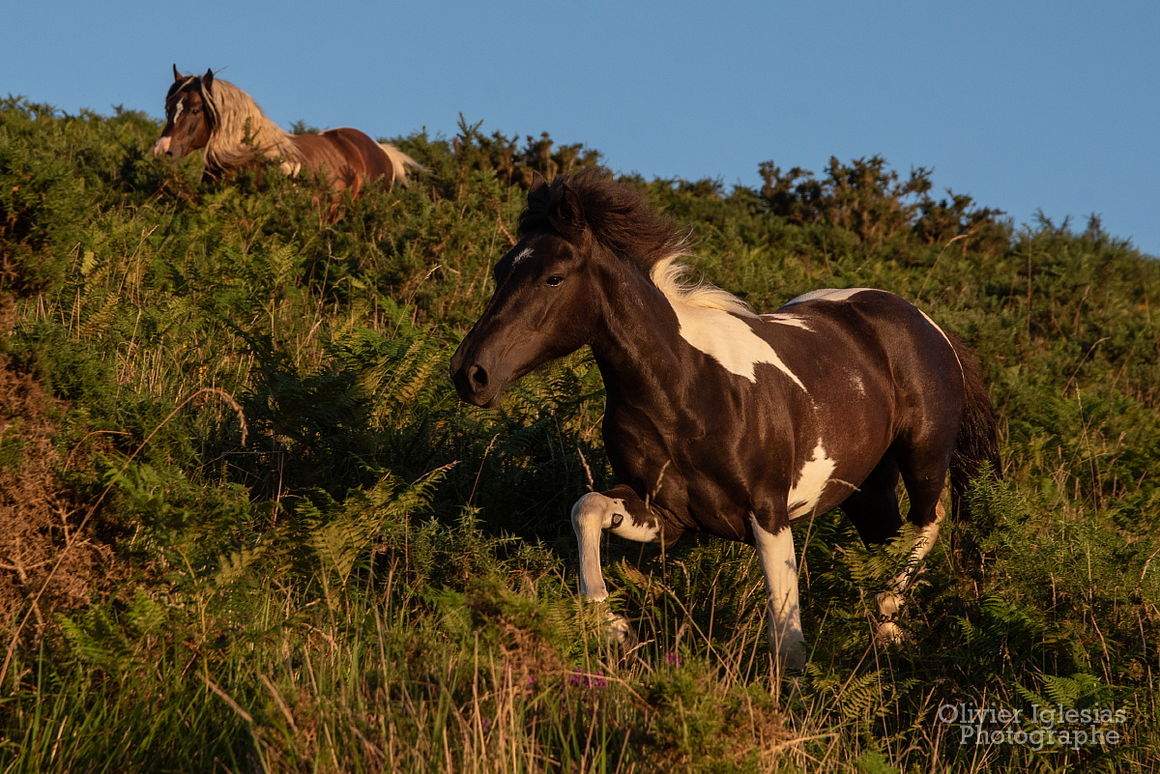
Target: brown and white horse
(207, 113)
(722, 420)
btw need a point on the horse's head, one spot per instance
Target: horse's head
(548, 298)
(187, 115)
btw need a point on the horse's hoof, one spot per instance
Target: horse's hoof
(621, 632)
(793, 661)
(889, 633)
(888, 603)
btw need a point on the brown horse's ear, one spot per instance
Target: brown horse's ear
(207, 79)
(176, 75)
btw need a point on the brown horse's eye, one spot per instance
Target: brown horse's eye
(555, 280)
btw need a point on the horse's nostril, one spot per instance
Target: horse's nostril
(477, 377)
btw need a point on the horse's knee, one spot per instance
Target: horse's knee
(625, 516)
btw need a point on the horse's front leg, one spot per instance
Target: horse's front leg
(621, 512)
(774, 542)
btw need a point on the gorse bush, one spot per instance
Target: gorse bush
(249, 526)
(868, 199)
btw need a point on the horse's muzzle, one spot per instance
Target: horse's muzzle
(473, 382)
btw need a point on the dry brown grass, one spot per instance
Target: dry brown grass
(38, 517)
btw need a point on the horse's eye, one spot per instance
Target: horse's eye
(555, 280)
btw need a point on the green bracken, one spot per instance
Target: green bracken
(247, 525)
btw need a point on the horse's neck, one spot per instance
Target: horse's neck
(241, 140)
(639, 351)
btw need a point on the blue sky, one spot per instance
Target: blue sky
(1024, 105)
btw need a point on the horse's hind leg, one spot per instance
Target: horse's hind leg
(873, 508)
(924, 478)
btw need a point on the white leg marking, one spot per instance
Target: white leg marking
(779, 563)
(890, 601)
(811, 482)
(590, 516)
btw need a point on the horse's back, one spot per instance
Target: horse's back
(897, 348)
(346, 157)
(373, 160)
(886, 326)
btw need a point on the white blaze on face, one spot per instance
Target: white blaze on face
(859, 385)
(162, 144)
(521, 255)
(815, 474)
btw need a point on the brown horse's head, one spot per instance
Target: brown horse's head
(188, 115)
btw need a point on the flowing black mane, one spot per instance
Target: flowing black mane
(591, 204)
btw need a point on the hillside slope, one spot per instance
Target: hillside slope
(270, 537)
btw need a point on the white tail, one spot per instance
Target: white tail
(400, 163)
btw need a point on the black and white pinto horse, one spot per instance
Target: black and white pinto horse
(722, 420)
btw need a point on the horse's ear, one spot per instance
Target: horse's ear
(568, 217)
(176, 75)
(537, 184)
(207, 80)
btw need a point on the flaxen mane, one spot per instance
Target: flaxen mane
(590, 203)
(240, 131)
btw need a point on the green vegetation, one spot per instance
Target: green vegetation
(246, 525)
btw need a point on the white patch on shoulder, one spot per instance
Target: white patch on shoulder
(811, 482)
(521, 255)
(729, 340)
(827, 294)
(784, 318)
(714, 322)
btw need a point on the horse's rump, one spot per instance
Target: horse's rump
(344, 158)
